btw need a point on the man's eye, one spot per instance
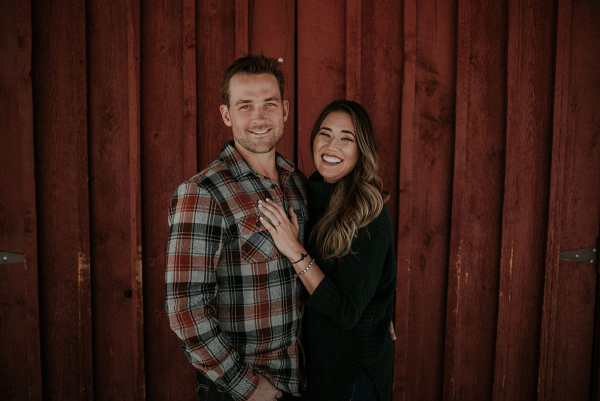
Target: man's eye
(245, 107)
(271, 104)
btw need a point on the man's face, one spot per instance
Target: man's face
(256, 112)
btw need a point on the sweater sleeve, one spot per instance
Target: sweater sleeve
(344, 295)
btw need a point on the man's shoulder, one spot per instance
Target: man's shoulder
(214, 174)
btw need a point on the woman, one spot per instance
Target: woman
(348, 266)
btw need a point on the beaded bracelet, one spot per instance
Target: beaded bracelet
(302, 272)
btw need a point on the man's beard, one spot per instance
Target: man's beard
(262, 147)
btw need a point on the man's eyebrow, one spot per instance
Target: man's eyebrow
(270, 99)
(243, 102)
(344, 131)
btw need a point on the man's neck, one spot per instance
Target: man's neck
(262, 163)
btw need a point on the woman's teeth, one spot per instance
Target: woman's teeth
(331, 159)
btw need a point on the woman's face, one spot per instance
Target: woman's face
(335, 151)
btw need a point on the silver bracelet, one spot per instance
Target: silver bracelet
(302, 272)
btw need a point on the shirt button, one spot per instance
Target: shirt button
(258, 224)
(273, 186)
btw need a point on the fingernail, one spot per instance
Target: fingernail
(260, 201)
(259, 205)
(267, 199)
(262, 218)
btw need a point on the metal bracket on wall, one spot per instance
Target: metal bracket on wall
(585, 255)
(7, 258)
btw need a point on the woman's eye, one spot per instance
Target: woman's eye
(324, 134)
(347, 139)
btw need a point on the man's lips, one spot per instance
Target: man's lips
(259, 131)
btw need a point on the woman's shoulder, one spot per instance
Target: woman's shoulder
(379, 229)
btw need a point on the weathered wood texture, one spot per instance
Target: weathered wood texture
(574, 218)
(486, 118)
(168, 158)
(61, 165)
(526, 189)
(426, 165)
(476, 232)
(320, 67)
(20, 369)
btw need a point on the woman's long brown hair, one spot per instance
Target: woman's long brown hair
(358, 197)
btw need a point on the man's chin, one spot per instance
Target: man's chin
(258, 148)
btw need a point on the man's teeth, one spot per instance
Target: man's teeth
(259, 132)
(331, 159)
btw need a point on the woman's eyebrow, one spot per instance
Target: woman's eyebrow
(344, 131)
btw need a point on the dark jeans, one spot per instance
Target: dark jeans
(207, 391)
(363, 389)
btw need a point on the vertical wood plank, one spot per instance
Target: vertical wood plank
(62, 183)
(28, 199)
(477, 201)
(242, 40)
(80, 113)
(19, 310)
(409, 25)
(169, 156)
(115, 199)
(135, 207)
(189, 88)
(273, 32)
(557, 187)
(353, 49)
(526, 189)
(321, 56)
(380, 68)
(570, 292)
(425, 195)
(215, 52)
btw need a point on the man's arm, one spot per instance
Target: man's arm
(197, 229)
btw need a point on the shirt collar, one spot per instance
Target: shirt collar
(240, 168)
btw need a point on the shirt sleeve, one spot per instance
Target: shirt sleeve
(197, 231)
(343, 296)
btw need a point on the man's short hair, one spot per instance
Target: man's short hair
(254, 65)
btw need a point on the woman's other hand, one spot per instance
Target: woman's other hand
(392, 331)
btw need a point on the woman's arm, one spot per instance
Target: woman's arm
(344, 296)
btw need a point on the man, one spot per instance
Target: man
(230, 293)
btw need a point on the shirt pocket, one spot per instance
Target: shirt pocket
(256, 243)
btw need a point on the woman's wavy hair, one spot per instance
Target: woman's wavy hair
(358, 198)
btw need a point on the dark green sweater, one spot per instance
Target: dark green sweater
(348, 315)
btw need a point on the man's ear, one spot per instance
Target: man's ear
(225, 115)
(286, 110)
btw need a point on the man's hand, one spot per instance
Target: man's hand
(265, 391)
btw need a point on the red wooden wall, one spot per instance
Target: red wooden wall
(487, 118)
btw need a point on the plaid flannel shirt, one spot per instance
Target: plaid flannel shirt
(230, 293)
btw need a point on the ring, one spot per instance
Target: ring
(280, 224)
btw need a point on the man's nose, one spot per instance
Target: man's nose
(258, 114)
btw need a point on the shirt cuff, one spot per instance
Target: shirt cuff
(243, 386)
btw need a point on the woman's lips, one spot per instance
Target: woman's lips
(329, 160)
